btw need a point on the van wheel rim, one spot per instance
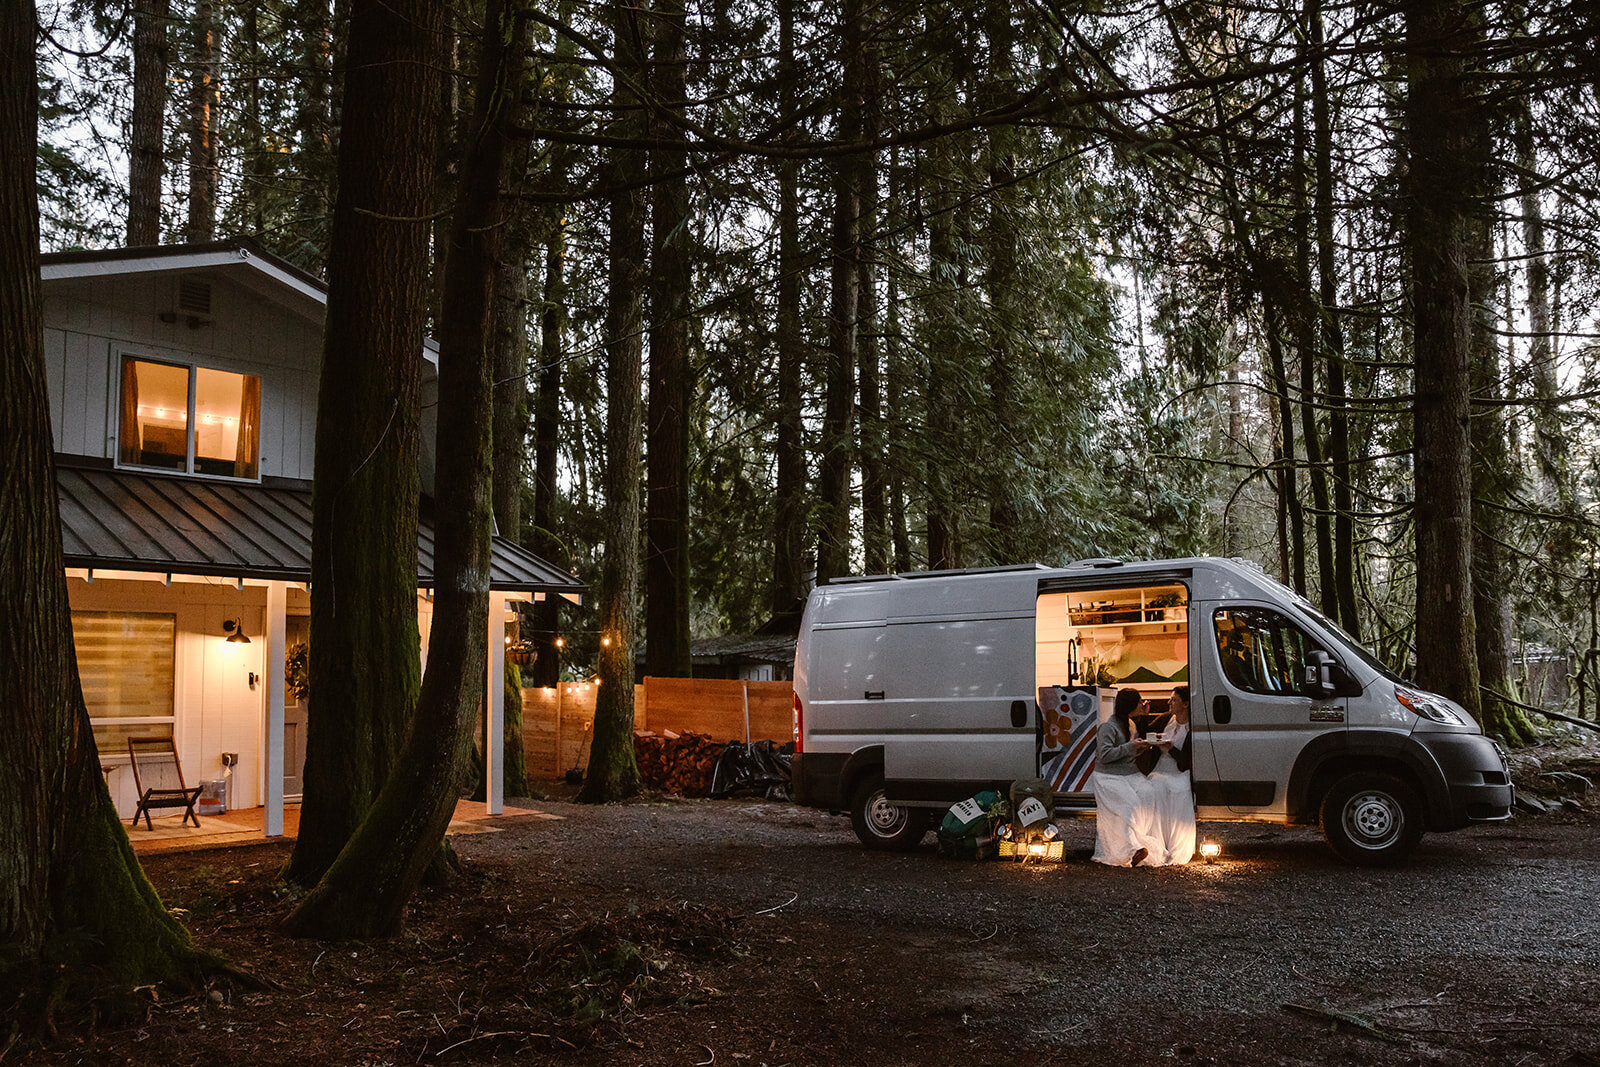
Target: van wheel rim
(1373, 820)
(883, 817)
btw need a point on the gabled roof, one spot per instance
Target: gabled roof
(128, 521)
(238, 258)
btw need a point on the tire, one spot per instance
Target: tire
(1372, 819)
(884, 826)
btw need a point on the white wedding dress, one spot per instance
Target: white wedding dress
(1172, 830)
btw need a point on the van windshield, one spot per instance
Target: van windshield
(1350, 644)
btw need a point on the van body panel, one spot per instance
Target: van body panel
(915, 677)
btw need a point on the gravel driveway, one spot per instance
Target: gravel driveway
(1483, 949)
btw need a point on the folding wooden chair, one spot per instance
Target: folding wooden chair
(153, 753)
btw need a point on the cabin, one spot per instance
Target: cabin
(183, 394)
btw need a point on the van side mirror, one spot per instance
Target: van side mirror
(1320, 670)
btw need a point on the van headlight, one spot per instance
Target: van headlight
(1429, 706)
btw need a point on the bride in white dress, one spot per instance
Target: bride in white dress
(1173, 825)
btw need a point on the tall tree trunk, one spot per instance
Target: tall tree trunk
(545, 614)
(1491, 472)
(1550, 448)
(667, 605)
(509, 340)
(944, 326)
(147, 154)
(833, 474)
(546, 668)
(364, 893)
(313, 162)
(1441, 115)
(895, 374)
(873, 441)
(788, 505)
(1006, 316)
(365, 645)
(68, 876)
(1338, 585)
(202, 126)
(612, 772)
(1308, 342)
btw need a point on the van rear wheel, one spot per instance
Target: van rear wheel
(1371, 819)
(882, 825)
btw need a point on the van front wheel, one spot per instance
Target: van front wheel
(1372, 820)
(882, 825)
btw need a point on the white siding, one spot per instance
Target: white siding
(91, 323)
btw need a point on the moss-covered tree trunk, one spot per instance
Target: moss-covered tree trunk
(1440, 113)
(612, 772)
(365, 892)
(365, 648)
(70, 887)
(671, 374)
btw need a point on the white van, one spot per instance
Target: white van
(913, 691)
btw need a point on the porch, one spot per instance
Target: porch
(247, 826)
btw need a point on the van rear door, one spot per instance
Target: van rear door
(1255, 709)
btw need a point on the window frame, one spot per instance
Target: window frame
(97, 721)
(192, 368)
(1311, 641)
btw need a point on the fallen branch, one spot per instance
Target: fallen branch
(1348, 1018)
(767, 911)
(1585, 723)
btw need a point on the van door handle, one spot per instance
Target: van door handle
(1019, 713)
(873, 694)
(1221, 709)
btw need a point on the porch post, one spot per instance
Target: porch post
(495, 730)
(272, 671)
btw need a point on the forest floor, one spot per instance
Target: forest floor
(746, 932)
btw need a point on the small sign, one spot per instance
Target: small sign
(1031, 811)
(967, 810)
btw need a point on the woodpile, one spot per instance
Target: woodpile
(677, 763)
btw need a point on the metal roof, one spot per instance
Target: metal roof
(123, 520)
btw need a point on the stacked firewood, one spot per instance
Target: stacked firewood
(676, 763)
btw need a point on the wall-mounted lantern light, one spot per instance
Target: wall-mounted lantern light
(235, 631)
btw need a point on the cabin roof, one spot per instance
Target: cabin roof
(152, 523)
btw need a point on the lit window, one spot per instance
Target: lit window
(195, 420)
(125, 661)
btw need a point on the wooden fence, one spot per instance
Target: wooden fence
(556, 721)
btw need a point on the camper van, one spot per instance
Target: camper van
(914, 691)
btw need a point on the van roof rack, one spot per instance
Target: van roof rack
(911, 575)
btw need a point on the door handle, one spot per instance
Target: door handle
(1019, 713)
(873, 694)
(1221, 709)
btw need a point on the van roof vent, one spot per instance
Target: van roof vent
(1098, 563)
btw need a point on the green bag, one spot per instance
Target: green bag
(967, 831)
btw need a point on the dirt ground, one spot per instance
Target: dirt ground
(748, 932)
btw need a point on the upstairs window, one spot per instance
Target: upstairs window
(190, 419)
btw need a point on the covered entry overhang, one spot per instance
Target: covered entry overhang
(122, 525)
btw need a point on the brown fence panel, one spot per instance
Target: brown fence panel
(716, 707)
(556, 721)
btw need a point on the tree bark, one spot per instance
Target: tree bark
(69, 881)
(509, 340)
(839, 398)
(789, 509)
(147, 154)
(612, 772)
(667, 602)
(1440, 116)
(1005, 317)
(202, 130)
(314, 161)
(1308, 342)
(546, 668)
(365, 648)
(1339, 585)
(365, 892)
(873, 444)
